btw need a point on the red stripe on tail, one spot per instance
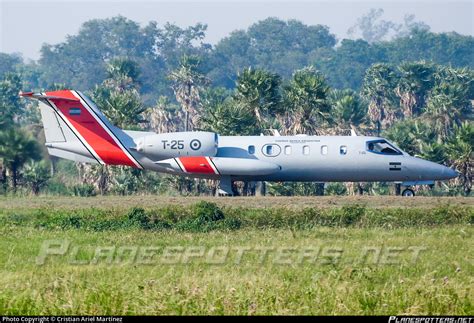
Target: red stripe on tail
(90, 129)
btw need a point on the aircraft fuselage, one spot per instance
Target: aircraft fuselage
(322, 159)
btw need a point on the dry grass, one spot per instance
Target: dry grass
(149, 201)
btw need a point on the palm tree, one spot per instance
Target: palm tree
(118, 95)
(126, 180)
(230, 119)
(411, 134)
(164, 116)
(349, 110)
(460, 153)
(258, 91)
(308, 108)
(100, 176)
(257, 94)
(222, 114)
(416, 79)
(449, 102)
(187, 82)
(119, 99)
(17, 148)
(37, 175)
(378, 89)
(306, 100)
(121, 68)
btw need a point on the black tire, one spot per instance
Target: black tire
(408, 192)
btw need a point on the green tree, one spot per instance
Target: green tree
(9, 63)
(98, 176)
(36, 175)
(187, 82)
(372, 28)
(271, 44)
(450, 99)
(223, 115)
(440, 48)
(345, 65)
(378, 89)
(122, 72)
(229, 119)
(416, 80)
(258, 92)
(17, 148)
(460, 153)
(118, 95)
(411, 135)
(349, 110)
(164, 116)
(306, 100)
(119, 99)
(81, 60)
(126, 180)
(11, 106)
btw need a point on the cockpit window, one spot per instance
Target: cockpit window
(382, 147)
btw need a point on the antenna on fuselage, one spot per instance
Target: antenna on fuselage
(353, 132)
(274, 132)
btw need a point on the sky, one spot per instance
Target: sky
(26, 25)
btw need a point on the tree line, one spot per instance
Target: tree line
(277, 75)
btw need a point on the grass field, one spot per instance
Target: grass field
(119, 202)
(250, 256)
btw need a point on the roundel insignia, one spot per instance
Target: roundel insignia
(195, 144)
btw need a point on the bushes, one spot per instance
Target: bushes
(83, 190)
(207, 212)
(351, 214)
(207, 216)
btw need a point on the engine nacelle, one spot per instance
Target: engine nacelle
(177, 144)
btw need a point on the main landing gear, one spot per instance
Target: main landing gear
(225, 187)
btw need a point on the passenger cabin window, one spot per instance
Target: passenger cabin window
(305, 150)
(382, 147)
(287, 150)
(251, 150)
(271, 150)
(343, 150)
(324, 150)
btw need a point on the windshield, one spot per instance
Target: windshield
(382, 147)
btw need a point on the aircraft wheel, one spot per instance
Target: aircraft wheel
(408, 192)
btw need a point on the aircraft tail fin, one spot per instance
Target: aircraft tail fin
(76, 129)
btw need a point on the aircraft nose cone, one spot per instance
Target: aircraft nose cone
(427, 170)
(450, 173)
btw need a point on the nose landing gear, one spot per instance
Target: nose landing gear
(408, 192)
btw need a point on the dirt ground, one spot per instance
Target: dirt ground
(150, 201)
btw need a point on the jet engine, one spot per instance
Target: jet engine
(177, 144)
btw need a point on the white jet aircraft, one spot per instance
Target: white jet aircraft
(75, 129)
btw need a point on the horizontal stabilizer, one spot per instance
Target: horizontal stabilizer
(33, 95)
